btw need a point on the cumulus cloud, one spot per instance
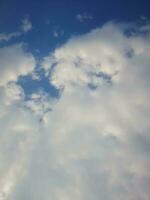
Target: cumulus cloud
(93, 141)
(14, 62)
(16, 141)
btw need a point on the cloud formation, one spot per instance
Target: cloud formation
(93, 141)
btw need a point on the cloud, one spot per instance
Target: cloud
(93, 141)
(8, 36)
(90, 59)
(84, 17)
(26, 25)
(14, 62)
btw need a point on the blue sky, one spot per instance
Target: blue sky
(74, 100)
(60, 15)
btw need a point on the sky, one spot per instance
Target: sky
(74, 100)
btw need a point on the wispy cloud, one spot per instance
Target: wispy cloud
(8, 36)
(57, 31)
(26, 25)
(84, 17)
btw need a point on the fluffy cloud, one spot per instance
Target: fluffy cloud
(14, 62)
(91, 143)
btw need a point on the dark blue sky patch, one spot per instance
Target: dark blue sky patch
(106, 79)
(31, 85)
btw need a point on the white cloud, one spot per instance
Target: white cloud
(94, 143)
(96, 131)
(84, 17)
(16, 141)
(83, 59)
(14, 62)
(26, 25)
(40, 103)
